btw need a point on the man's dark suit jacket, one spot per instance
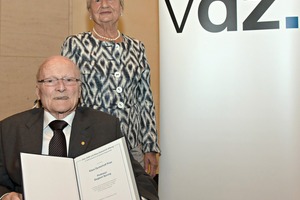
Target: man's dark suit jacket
(23, 132)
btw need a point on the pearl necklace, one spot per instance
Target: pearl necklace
(106, 38)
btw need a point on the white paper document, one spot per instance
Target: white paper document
(102, 174)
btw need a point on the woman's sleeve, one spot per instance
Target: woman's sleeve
(69, 48)
(145, 98)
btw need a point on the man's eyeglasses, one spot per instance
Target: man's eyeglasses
(54, 81)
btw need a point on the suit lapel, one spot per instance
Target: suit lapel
(32, 140)
(80, 136)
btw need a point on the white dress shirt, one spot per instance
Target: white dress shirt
(48, 133)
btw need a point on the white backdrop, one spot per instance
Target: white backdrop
(230, 105)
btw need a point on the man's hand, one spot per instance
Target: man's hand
(12, 196)
(150, 163)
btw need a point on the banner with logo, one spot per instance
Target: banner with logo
(230, 99)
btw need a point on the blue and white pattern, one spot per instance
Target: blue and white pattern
(116, 80)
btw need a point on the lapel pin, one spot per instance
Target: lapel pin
(82, 143)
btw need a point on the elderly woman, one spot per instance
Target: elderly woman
(116, 78)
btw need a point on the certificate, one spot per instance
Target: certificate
(102, 174)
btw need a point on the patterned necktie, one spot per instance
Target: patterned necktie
(57, 145)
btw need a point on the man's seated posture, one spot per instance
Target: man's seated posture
(58, 89)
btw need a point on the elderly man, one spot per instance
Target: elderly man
(58, 90)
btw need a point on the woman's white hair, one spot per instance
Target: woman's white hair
(88, 3)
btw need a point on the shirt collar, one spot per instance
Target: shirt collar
(49, 118)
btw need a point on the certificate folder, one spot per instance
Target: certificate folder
(104, 173)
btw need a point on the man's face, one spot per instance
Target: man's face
(59, 97)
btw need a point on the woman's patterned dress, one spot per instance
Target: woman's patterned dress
(116, 80)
